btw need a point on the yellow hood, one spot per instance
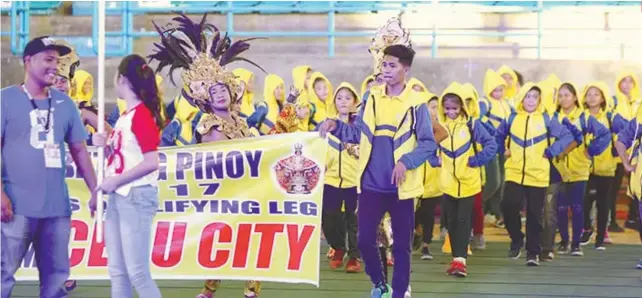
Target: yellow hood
(492, 80)
(312, 96)
(549, 87)
(606, 92)
(522, 94)
(364, 85)
(510, 91)
(469, 91)
(247, 100)
(298, 76)
(635, 92)
(457, 89)
(80, 77)
(332, 108)
(415, 81)
(271, 82)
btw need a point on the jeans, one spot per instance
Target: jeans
(459, 217)
(549, 217)
(515, 195)
(128, 228)
(372, 207)
(571, 196)
(337, 224)
(50, 239)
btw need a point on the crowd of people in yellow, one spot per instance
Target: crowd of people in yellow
(544, 150)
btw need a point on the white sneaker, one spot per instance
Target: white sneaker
(407, 295)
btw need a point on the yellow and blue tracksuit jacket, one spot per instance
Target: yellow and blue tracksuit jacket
(247, 99)
(391, 129)
(364, 86)
(631, 137)
(471, 97)
(528, 136)
(606, 163)
(510, 92)
(625, 105)
(266, 113)
(341, 160)
(495, 110)
(461, 162)
(181, 130)
(318, 107)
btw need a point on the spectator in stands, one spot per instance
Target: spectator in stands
(528, 168)
(35, 200)
(131, 180)
(386, 186)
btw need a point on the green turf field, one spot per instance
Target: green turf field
(491, 274)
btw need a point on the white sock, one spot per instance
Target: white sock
(460, 259)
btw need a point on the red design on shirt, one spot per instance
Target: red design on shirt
(116, 154)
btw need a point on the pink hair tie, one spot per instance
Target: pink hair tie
(143, 67)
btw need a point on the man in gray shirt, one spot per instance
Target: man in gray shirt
(36, 121)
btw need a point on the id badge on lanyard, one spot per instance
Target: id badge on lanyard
(51, 150)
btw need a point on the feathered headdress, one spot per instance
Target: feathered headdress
(389, 34)
(67, 64)
(186, 45)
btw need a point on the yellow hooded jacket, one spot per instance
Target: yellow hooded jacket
(364, 86)
(270, 103)
(318, 107)
(550, 87)
(82, 77)
(511, 91)
(606, 163)
(342, 158)
(407, 117)
(431, 174)
(247, 100)
(630, 137)
(627, 107)
(496, 110)
(527, 136)
(461, 163)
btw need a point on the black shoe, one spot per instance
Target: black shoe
(546, 256)
(563, 248)
(515, 251)
(615, 228)
(587, 235)
(532, 261)
(577, 251)
(425, 254)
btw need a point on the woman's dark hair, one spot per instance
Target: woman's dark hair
(520, 78)
(456, 99)
(370, 80)
(143, 83)
(570, 88)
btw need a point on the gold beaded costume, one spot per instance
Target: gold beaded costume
(185, 45)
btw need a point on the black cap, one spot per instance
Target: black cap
(44, 43)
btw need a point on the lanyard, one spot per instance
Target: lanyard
(33, 104)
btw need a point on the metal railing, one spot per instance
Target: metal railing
(20, 16)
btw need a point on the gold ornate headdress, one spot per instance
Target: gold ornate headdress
(389, 34)
(67, 64)
(186, 45)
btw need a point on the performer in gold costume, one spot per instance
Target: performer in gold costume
(209, 87)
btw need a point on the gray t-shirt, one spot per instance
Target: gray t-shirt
(35, 190)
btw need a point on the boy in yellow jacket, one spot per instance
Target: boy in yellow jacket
(461, 170)
(340, 185)
(526, 136)
(395, 137)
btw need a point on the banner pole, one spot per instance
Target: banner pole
(101, 116)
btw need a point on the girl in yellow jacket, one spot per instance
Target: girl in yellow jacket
(246, 82)
(425, 213)
(627, 101)
(512, 83)
(594, 139)
(526, 143)
(460, 174)
(496, 109)
(596, 99)
(340, 185)
(319, 89)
